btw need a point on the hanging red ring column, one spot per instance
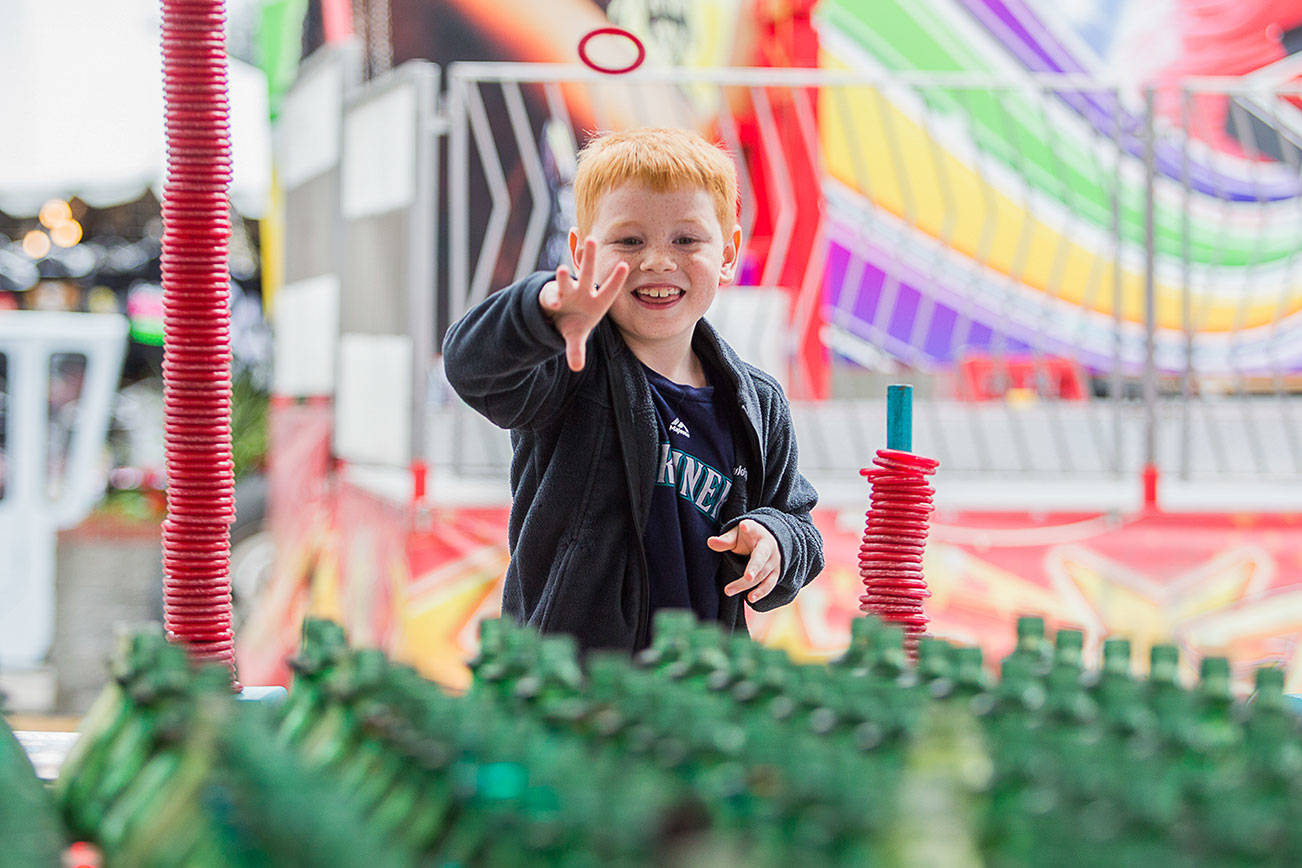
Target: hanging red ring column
(196, 343)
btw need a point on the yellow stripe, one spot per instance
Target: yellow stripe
(881, 141)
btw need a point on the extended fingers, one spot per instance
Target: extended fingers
(764, 588)
(760, 578)
(613, 284)
(587, 267)
(564, 279)
(762, 573)
(763, 568)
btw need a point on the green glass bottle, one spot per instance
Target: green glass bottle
(330, 738)
(156, 819)
(969, 672)
(323, 645)
(1018, 792)
(1069, 704)
(1032, 645)
(670, 629)
(1169, 701)
(1273, 753)
(935, 660)
(489, 665)
(1218, 730)
(114, 712)
(858, 655)
(29, 824)
(555, 683)
(1271, 729)
(888, 661)
(159, 699)
(702, 655)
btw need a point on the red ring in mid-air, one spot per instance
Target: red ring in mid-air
(612, 31)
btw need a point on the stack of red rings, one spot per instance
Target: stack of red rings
(890, 558)
(196, 355)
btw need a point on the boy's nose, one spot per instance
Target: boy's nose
(657, 259)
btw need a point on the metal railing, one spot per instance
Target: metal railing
(1077, 278)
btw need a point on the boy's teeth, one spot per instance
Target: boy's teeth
(659, 293)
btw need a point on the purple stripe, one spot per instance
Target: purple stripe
(861, 314)
(999, 20)
(903, 313)
(1044, 53)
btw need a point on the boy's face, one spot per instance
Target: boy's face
(677, 255)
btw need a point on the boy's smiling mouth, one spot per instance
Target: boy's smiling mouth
(660, 295)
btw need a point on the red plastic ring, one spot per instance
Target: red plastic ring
(611, 31)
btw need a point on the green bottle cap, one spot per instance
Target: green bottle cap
(1269, 679)
(1116, 656)
(1069, 640)
(491, 632)
(1214, 679)
(1163, 663)
(1030, 627)
(673, 622)
(934, 657)
(1214, 668)
(862, 629)
(1067, 646)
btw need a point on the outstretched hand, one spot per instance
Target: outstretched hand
(576, 306)
(765, 565)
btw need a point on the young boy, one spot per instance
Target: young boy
(652, 467)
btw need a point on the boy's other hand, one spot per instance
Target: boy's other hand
(765, 564)
(576, 306)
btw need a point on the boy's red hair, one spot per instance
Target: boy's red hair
(662, 158)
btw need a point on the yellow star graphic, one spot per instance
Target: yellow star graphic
(1220, 607)
(438, 613)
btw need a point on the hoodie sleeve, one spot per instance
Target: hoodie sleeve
(507, 361)
(784, 509)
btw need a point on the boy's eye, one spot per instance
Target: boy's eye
(686, 239)
(628, 242)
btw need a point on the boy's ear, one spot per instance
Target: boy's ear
(576, 251)
(731, 253)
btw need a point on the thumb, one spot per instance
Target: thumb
(724, 541)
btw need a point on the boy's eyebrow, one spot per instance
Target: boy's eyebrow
(695, 222)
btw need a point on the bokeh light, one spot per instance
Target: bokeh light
(66, 234)
(36, 244)
(54, 212)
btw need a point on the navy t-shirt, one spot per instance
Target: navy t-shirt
(693, 478)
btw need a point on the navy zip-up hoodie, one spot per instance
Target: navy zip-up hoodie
(584, 467)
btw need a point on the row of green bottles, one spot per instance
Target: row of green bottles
(704, 749)
(1064, 742)
(1136, 770)
(780, 753)
(453, 780)
(171, 770)
(142, 709)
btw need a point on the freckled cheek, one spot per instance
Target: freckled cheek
(606, 264)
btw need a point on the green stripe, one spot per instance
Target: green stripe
(1011, 129)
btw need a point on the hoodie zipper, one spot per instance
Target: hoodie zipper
(627, 443)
